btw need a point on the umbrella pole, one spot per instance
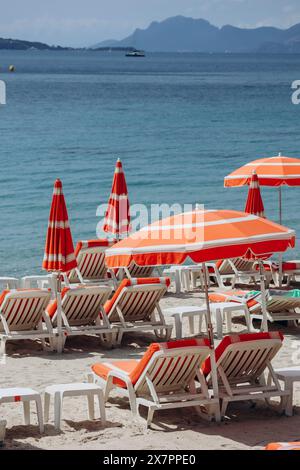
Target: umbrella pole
(59, 317)
(280, 221)
(264, 323)
(214, 373)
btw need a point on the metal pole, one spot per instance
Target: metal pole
(264, 323)
(280, 221)
(59, 317)
(214, 373)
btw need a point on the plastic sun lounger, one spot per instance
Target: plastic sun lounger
(164, 378)
(83, 312)
(134, 304)
(279, 306)
(21, 316)
(238, 271)
(91, 267)
(242, 361)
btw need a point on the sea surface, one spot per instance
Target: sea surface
(179, 122)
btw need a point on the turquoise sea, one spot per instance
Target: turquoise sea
(179, 122)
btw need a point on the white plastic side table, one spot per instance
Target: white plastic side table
(224, 310)
(190, 312)
(289, 376)
(60, 391)
(24, 395)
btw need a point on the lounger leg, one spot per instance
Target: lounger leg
(132, 400)
(109, 386)
(218, 416)
(150, 416)
(224, 407)
(91, 406)
(177, 282)
(39, 411)
(46, 407)
(26, 409)
(2, 348)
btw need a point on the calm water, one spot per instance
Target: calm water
(179, 122)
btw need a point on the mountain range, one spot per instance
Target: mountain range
(182, 34)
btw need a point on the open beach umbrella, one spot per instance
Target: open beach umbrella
(202, 235)
(59, 254)
(254, 203)
(117, 218)
(273, 171)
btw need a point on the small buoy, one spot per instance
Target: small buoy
(11, 68)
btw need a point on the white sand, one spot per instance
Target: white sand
(28, 365)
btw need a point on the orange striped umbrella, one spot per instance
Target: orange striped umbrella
(59, 250)
(202, 236)
(273, 171)
(117, 218)
(254, 204)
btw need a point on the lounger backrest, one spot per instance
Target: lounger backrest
(140, 271)
(136, 298)
(243, 358)
(242, 264)
(90, 256)
(173, 366)
(81, 305)
(23, 308)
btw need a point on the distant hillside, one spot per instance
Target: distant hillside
(18, 44)
(181, 34)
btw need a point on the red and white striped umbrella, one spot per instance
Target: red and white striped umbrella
(117, 218)
(59, 250)
(59, 254)
(254, 204)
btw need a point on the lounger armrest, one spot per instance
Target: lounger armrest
(118, 374)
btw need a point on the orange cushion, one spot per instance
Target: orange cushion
(8, 291)
(52, 307)
(128, 282)
(103, 242)
(227, 297)
(283, 446)
(233, 339)
(135, 368)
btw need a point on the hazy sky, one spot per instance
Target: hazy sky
(85, 22)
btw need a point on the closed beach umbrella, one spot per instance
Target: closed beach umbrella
(117, 218)
(273, 171)
(254, 204)
(59, 254)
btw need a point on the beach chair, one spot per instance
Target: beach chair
(91, 267)
(242, 364)
(22, 312)
(280, 305)
(238, 271)
(83, 312)
(164, 378)
(134, 305)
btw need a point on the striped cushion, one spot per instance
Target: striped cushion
(108, 307)
(103, 242)
(233, 339)
(134, 369)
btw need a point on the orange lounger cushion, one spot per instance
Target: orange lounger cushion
(232, 339)
(283, 446)
(135, 368)
(228, 295)
(102, 242)
(8, 291)
(130, 282)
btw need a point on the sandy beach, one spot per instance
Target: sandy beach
(28, 365)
